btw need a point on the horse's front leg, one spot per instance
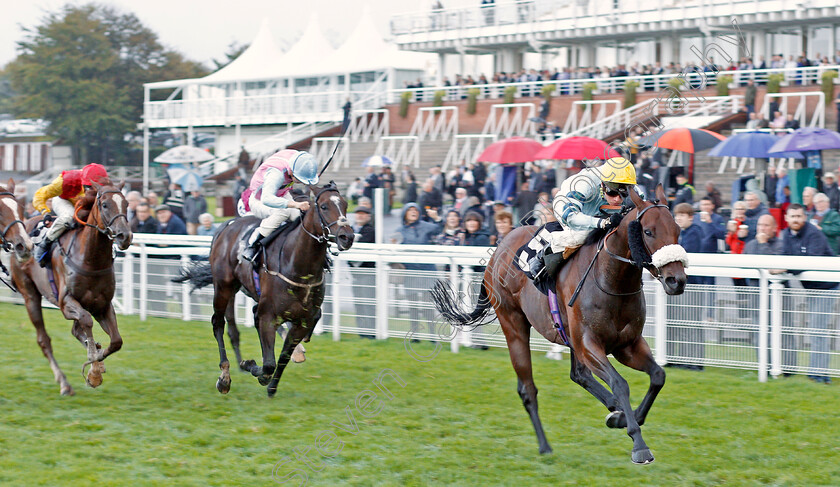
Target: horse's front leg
(594, 356)
(293, 338)
(83, 331)
(299, 354)
(637, 356)
(266, 329)
(108, 322)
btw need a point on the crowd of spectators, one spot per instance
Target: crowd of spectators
(176, 213)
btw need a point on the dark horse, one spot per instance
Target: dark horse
(291, 282)
(83, 263)
(607, 317)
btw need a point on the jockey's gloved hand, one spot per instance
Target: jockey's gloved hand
(612, 221)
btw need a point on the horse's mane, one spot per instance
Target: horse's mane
(595, 236)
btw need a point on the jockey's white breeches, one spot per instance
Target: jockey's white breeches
(272, 217)
(567, 238)
(64, 211)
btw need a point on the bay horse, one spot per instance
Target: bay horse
(13, 236)
(607, 317)
(82, 281)
(289, 287)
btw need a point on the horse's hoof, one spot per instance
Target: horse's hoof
(94, 377)
(271, 391)
(616, 419)
(67, 391)
(545, 451)
(223, 386)
(642, 457)
(246, 365)
(298, 358)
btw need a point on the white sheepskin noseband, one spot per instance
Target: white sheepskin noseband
(668, 254)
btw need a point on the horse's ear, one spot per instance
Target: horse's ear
(95, 186)
(635, 197)
(660, 193)
(10, 186)
(120, 184)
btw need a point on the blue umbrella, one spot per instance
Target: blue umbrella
(750, 144)
(189, 179)
(808, 138)
(376, 161)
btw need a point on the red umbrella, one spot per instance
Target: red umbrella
(511, 151)
(578, 148)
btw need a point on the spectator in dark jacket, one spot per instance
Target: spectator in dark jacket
(767, 243)
(415, 231)
(831, 190)
(174, 199)
(755, 208)
(371, 183)
(430, 198)
(770, 181)
(685, 191)
(685, 341)
(410, 193)
(143, 221)
(712, 224)
(524, 204)
(802, 238)
(194, 206)
(168, 222)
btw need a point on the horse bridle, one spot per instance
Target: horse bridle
(325, 227)
(4, 242)
(654, 271)
(107, 231)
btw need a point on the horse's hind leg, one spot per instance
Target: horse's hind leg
(233, 330)
(517, 332)
(222, 296)
(637, 356)
(266, 330)
(33, 307)
(595, 358)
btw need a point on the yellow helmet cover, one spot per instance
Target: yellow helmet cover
(618, 170)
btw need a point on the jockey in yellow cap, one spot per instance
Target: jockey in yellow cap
(63, 193)
(580, 206)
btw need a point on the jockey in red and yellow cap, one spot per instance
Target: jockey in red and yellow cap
(63, 193)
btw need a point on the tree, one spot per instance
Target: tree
(234, 50)
(83, 69)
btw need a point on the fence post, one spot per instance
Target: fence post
(463, 296)
(763, 316)
(660, 317)
(144, 281)
(453, 282)
(336, 311)
(776, 327)
(186, 312)
(128, 282)
(382, 287)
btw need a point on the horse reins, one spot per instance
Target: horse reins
(325, 227)
(4, 242)
(107, 226)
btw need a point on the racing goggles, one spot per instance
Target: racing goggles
(616, 189)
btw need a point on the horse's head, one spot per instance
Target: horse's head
(13, 234)
(653, 235)
(109, 213)
(331, 214)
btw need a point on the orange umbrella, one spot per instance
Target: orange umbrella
(684, 140)
(511, 151)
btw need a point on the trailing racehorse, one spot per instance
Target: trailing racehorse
(288, 284)
(607, 316)
(80, 279)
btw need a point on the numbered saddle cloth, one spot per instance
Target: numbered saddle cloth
(540, 241)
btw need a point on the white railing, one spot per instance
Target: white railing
(694, 79)
(622, 120)
(322, 148)
(795, 329)
(510, 119)
(366, 125)
(606, 108)
(466, 147)
(520, 16)
(801, 113)
(401, 149)
(433, 123)
(268, 145)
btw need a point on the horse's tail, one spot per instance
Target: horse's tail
(199, 274)
(446, 302)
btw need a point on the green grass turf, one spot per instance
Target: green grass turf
(158, 419)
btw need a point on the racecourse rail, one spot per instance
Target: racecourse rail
(720, 325)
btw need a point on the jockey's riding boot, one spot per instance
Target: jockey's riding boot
(42, 250)
(552, 263)
(536, 265)
(252, 250)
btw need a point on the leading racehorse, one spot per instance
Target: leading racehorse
(607, 317)
(81, 282)
(288, 287)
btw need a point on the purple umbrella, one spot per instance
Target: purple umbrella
(807, 138)
(751, 144)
